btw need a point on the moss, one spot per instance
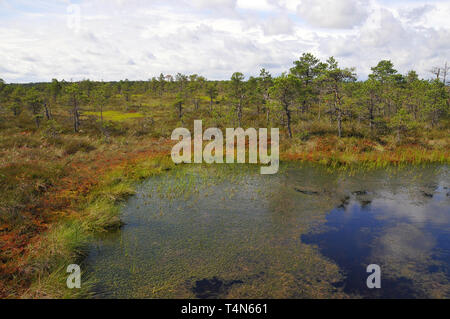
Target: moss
(75, 146)
(115, 116)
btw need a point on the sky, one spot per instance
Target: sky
(138, 39)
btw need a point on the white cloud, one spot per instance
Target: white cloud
(138, 39)
(333, 14)
(214, 3)
(416, 14)
(385, 36)
(281, 24)
(261, 5)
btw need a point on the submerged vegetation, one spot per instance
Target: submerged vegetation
(226, 231)
(70, 152)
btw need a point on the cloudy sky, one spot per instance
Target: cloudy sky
(137, 39)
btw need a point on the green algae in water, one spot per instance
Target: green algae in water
(227, 231)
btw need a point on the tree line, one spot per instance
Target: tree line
(387, 102)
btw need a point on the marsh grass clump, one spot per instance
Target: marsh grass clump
(79, 145)
(64, 244)
(19, 141)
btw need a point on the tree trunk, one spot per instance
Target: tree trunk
(240, 113)
(339, 118)
(337, 107)
(180, 110)
(318, 115)
(371, 118)
(48, 114)
(288, 117)
(196, 104)
(76, 118)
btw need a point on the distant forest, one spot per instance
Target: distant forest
(386, 103)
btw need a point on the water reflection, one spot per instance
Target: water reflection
(406, 233)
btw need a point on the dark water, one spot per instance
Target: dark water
(375, 229)
(229, 232)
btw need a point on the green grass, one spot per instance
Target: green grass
(116, 116)
(64, 244)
